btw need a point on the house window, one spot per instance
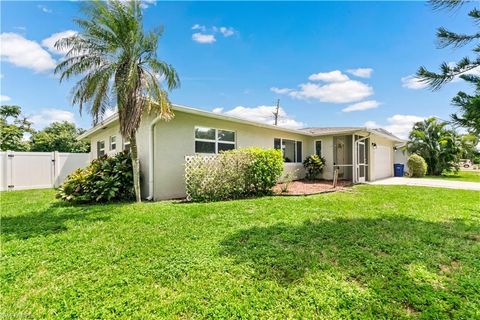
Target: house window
(209, 140)
(126, 145)
(100, 148)
(291, 149)
(318, 148)
(113, 143)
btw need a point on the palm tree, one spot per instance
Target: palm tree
(439, 146)
(118, 64)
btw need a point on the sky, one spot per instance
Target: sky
(329, 63)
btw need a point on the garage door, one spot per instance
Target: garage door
(383, 162)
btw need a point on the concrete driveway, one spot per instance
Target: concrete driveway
(437, 183)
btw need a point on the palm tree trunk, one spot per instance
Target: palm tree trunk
(136, 167)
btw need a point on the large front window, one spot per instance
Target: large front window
(210, 140)
(291, 149)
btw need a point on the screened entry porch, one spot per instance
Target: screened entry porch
(351, 157)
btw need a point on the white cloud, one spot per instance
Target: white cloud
(412, 82)
(227, 31)
(371, 124)
(46, 116)
(207, 34)
(4, 98)
(44, 8)
(335, 92)
(337, 88)
(262, 114)
(199, 27)
(49, 42)
(203, 38)
(399, 124)
(25, 53)
(360, 106)
(332, 76)
(361, 72)
(146, 3)
(280, 90)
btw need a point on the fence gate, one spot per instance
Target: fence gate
(36, 170)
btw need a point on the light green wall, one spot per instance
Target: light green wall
(175, 139)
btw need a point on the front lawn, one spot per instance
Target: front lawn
(470, 176)
(372, 252)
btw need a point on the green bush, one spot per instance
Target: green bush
(105, 179)
(233, 174)
(417, 166)
(314, 166)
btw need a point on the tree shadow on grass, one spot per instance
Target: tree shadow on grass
(51, 220)
(414, 263)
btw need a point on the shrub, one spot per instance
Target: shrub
(233, 174)
(417, 166)
(314, 166)
(105, 179)
(287, 180)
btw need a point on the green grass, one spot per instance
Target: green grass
(373, 252)
(470, 176)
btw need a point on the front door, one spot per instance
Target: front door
(361, 161)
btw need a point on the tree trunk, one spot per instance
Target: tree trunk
(136, 167)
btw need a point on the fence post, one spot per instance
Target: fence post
(56, 168)
(9, 166)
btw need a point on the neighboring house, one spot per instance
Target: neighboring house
(360, 154)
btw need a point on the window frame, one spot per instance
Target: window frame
(101, 149)
(315, 147)
(295, 152)
(113, 143)
(126, 143)
(216, 141)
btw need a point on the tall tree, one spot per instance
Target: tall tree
(13, 127)
(469, 105)
(439, 146)
(59, 136)
(118, 63)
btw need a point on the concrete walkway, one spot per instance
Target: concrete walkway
(437, 183)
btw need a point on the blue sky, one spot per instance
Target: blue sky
(238, 58)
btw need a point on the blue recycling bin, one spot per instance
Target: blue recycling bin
(398, 169)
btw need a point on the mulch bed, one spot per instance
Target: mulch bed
(307, 187)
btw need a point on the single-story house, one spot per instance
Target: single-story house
(360, 154)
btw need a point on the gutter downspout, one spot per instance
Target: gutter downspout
(151, 157)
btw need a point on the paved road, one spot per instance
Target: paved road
(438, 183)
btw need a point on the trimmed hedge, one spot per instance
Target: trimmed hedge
(105, 179)
(233, 174)
(417, 166)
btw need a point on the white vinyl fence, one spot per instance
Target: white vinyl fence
(36, 170)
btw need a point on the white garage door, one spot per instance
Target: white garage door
(383, 162)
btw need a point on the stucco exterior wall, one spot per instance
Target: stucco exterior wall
(175, 139)
(327, 153)
(105, 134)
